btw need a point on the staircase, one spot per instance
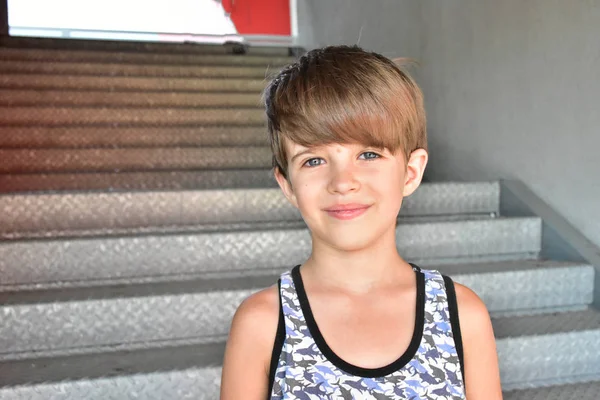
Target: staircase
(137, 210)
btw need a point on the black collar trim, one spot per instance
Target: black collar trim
(404, 359)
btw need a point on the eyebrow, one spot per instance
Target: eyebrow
(300, 154)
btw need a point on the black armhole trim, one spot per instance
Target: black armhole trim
(454, 321)
(278, 345)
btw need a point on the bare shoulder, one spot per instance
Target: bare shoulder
(471, 308)
(259, 313)
(482, 374)
(250, 345)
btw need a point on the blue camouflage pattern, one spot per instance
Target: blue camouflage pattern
(304, 373)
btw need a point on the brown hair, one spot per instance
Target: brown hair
(344, 94)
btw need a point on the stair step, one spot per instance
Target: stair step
(111, 116)
(118, 69)
(549, 349)
(76, 98)
(192, 370)
(149, 180)
(73, 321)
(70, 137)
(180, 372)
(527, 287)
(54, 44)
(574, 391)
(100, 317)
(267, 246)
(41, 81)
(140, 58)
(133, 159)
(21, 213)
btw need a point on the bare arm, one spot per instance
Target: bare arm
(482, 375)
(249, 347)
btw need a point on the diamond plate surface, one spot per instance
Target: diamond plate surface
(576, 391)
(47, 320)
(102, 322)
(197, 384)
(48, 55)
(527, 290)
(115, 69)
(554, 323)
(151, 180)
(547, 359)
(138, 116)
(66, 211)
(453, 198)
(39, 81)
(201, 384)
(91, 136)
(142, 209)
(201, 228)
(189, 371)
(132, 159)
(10, 97)
(23, 262)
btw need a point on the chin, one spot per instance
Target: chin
(351, 240)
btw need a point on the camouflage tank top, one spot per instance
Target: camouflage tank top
(304, 367)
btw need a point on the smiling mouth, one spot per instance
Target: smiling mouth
(346, 213)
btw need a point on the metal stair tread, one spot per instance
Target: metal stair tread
(575, 391)
(506, 328)
(169, 286)
(62, 44)
(242, 280)
(56, 182)
(156, 84)
(110, 363)
(461, 185)
(115, 98)
(69, 137)
(134, 159)
(178, 188)
(229, 227)
(103, 115)
(142, 58)
(503, 266)
(108, 68)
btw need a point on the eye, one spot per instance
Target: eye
(311, 162)
(369, 155)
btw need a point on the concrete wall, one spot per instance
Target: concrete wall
(513, 91)
(390, 27)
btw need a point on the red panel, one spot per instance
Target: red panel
(260, 17)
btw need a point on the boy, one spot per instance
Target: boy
(347, 129)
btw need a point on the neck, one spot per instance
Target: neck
(360, 271)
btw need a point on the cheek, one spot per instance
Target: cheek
(390, 187)
(308, 194)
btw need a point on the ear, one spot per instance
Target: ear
(414, 171)
(286, 187)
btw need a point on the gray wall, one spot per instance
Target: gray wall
(390, 27)
(512, 90)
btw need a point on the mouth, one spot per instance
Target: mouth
(347, 211)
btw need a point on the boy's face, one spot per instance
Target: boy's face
(369, 182)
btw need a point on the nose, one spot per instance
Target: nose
(343, 180)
